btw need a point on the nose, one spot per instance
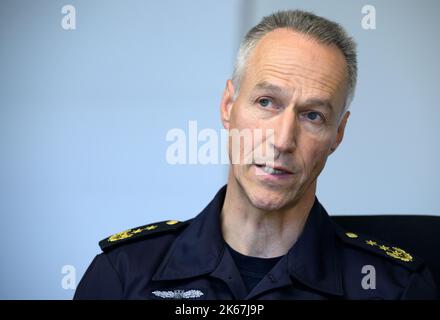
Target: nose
(285, 132)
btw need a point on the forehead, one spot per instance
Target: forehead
(290, 59)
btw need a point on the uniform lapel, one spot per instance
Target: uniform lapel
(199, 248)
(312, 260)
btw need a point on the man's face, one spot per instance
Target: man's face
(296, 87)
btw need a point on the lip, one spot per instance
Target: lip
(261, 174)
(275, 167)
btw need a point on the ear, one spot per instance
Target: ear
(227, 103)
(340, 134)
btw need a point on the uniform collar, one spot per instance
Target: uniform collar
(198, 250)
(314, 260)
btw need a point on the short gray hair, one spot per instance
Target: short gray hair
(321, 29)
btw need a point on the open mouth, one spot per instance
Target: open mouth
(273, 170)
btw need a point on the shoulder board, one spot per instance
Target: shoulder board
(130, 235)
(382, 248)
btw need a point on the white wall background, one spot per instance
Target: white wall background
(84, 115)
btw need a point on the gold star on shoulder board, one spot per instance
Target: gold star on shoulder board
(371, 243)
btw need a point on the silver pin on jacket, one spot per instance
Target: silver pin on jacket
(178, 294)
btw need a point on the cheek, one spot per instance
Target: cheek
(247, 124)
(242, 117)
(314, 152)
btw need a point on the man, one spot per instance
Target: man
(265, 235)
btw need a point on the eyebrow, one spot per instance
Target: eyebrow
(272, 88)
(268, 86)
(264, 85)
(317, 102)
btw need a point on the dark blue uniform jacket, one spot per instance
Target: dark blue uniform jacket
(188, 260)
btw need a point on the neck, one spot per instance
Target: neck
(261, 233)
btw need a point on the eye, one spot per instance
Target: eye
(313, 116)
(264, 102)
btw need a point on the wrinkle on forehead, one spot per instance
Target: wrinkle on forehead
(299, 75)
(299, 62)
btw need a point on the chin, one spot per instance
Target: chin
(265, 196)
(268, 200)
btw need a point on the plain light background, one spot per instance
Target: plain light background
(84, 115)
